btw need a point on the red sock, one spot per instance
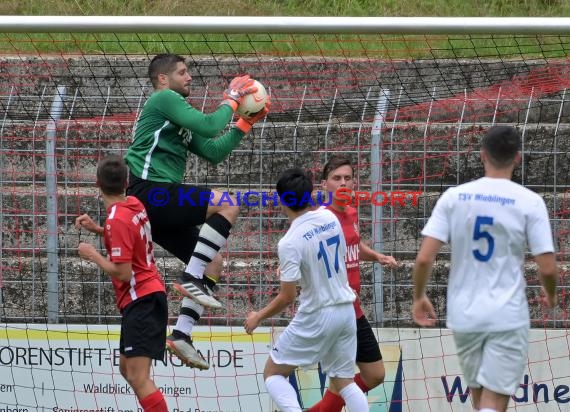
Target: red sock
(358, 380)
(331, 402)
(154, 402)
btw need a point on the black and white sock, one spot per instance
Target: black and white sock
(212, 237)
(190, 313)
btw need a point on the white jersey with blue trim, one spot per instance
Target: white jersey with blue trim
(312, 252)
(489, 223)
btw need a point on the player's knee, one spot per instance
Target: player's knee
(128, 375)
(374, 377)
(377, 379)
(231, 212)
(135, 379)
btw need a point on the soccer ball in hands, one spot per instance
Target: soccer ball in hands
(254, 102)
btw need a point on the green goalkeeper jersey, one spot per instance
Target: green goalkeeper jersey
(168, 129)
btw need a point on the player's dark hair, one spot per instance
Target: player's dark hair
(502, 144)
(334, 163)
(294, 188)
(162, 64)
(112, 175)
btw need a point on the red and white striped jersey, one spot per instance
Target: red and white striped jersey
(128, 239)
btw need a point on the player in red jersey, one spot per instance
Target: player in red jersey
(139, 288)
(339, 173)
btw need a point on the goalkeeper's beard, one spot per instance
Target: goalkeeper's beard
(183, 90)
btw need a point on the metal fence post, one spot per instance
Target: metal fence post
(51, 207)
(375, 186)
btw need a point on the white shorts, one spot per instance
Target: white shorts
(493, 360)
(327, 335)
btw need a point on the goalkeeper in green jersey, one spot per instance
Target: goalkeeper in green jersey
(188, 221)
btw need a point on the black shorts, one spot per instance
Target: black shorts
(174, 211)
(143, 327)
(367, 349)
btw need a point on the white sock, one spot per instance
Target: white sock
(354, 398)
(487, 410)
(188, 312)
(282, 393)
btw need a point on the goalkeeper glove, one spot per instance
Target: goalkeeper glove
(239, 87)
(246, 123)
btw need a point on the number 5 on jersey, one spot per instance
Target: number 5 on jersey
(331, 241)
(480, 232)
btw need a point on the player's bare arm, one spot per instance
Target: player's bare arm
(423, 312)
(548, 276)
(368, 254)
(286, 297)
(85, 222)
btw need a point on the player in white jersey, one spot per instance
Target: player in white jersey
(488, 223)
(324, 328)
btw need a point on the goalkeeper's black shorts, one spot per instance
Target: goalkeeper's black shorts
(175, 212)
